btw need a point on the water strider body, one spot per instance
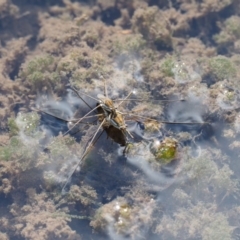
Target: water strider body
(114, 124)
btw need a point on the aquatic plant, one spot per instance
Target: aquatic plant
(83, 194)
(24, 132)
(13, 150)
(4, 236)
(84, 65)
(13, 127)
(184, 72)
(210, 171)
(41, 70)
(6, 178)
(34, 219)
(147, 22)
(221, 67)
(8, 9)
(131, 45)
(196, 221)
(167, 66)
(64, 154)
(151, 128)
(117, 212)
(227, 98)
(61, 146)
(27, 123)
(91, 66)
(91, 37)
(230, 32)
(119, 218)
(232, 25)
(67, 65)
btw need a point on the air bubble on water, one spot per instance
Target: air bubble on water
(156, 143)
(226, 99)
(125, 209)
(184, 72)
(117, 206)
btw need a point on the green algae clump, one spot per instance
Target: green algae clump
(24, 133)
(230, 32)
(13, 127)
(167, 67)
(222, 68)
(11, 150)
(165, 151)
(41, 69)
(132, 44)
(233, 26)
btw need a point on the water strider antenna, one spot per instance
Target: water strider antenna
(105, 88)
(77, 92)
(125, 99)
(146, 99)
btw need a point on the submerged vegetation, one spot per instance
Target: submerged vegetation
(177, 176)
(222, 68)
(41, 70)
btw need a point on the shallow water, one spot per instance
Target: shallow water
(175, 180)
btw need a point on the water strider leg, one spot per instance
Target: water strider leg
(147, 118)
(80, 119)
(129, 134)
(83, 155)
(65, 120)
(76, 92)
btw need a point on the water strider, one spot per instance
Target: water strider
(113, 121)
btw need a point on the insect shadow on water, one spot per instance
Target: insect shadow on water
(111, 120)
